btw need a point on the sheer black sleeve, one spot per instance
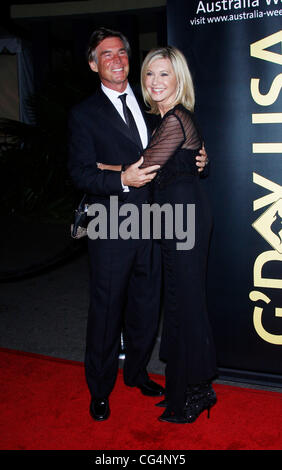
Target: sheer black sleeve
(176, 131)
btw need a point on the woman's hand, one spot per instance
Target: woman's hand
(202, 159)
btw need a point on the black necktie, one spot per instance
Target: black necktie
(130, 121)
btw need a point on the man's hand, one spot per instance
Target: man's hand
(133, 176)
(104, 166)
(202, 159)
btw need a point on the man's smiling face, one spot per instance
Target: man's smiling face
(113, 64)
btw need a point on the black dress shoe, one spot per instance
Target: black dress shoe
(99, 409)
(151, 389)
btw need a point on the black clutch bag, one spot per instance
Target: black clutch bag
(79, 227)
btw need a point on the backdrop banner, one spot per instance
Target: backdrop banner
(233, 48)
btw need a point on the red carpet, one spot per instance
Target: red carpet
(44, 406)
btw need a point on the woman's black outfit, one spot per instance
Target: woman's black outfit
(187, 344)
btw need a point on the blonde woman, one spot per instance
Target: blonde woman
(187, 344)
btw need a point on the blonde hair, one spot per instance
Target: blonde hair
(185, 94)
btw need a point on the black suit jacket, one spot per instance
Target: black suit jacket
(97, 133)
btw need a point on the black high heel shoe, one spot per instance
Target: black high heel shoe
(193, 394)
(162, 404)
(200, 397)
(170, 417)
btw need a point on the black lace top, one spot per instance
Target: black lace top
(174, 144)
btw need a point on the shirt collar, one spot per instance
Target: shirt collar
(113, 94)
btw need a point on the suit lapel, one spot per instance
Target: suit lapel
(110, 115)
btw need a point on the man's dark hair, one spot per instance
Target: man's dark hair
(98, 36)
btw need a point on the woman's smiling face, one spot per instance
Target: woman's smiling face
(161, 84)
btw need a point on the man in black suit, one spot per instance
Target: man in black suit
(124, 274)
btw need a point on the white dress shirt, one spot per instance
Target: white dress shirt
(134, 108)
